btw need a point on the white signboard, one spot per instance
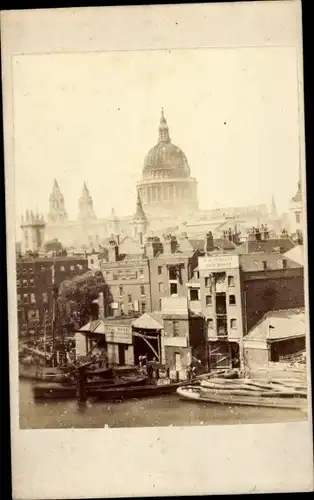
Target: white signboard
(175, 342)
(118, 334)
(218, 262)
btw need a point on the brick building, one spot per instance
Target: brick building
(171, 265)
(233, 292)
(126, 273)
(35, 288)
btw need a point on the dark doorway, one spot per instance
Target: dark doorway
(121, 350)
(141, 348)
(235, 355)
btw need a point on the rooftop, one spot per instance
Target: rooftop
(274, 261)
(296, 254)
(280, 245)
(279, 325)
(26, 259)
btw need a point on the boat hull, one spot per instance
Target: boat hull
(139, 392)
(195, 394)
(69, 391)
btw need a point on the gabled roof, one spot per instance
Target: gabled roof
(149, 321)
(91, 326)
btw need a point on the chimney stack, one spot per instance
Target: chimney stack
(101, 306)
(113, 251)
(209, 242)
(152, 247)
(169, 244)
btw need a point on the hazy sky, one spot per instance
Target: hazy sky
(93, 117)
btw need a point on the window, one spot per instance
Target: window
(33, 314)
(230, 280)
(193, 295)
(18, 298)
(160, 287)
(141, 273)
(31, 282)
(72, 268)
(43, 269)
(62, 268)
(159, 269)
(33, 298)
(232, 300)
(122, 308)
(298, 217)
(210, 324)
(233, 323)
(284, 264)
(45, 297)
(143, 307)
(173, 289)
(209, 300)
(18, 283)
(196, 274)
(173, 273)
(92, 261)
(31, 270)
(142, 290)
(207, 282)
(160, 304)
(26, 298)
(25, 283)
(120, 291)
(264, 264)
(175, 328)
(129, 297)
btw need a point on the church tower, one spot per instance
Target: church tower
(273, 209)
(114, 226)
(86, 209)
(296, 212)
(140, 224)
(57, 211)
(33, 231)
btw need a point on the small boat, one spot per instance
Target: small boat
(213, 397)
(106, 373)
(45, 375)
(68, 391)
(135, 392)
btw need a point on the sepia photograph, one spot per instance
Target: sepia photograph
(159, 270)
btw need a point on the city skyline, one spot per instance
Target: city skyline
(92, 123)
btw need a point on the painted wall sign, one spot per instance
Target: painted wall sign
(118, 334)
(124, 275)
(217, 262)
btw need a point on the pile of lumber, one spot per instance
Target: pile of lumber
(279, 371)
(290, 387)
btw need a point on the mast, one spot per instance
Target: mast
(53, 281)
(45, 332)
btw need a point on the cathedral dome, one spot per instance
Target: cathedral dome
(165, 160)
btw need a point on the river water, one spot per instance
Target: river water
(161, 411)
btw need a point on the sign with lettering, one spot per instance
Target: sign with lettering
(218, 262)
(118, 334)
(124, 275)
